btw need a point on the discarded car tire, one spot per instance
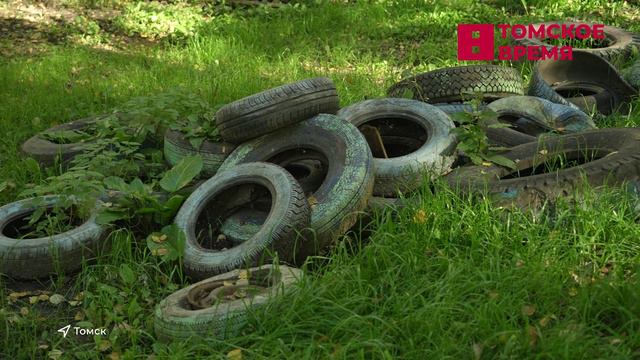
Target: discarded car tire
(604, 156)
(207, 252)
(620, 42)
(452, 84)
(587, 82)
(46, 152)
(404, 169)
(201, 311)
(177, 147)
(344, 152)
(534, 116)
(33, 258)
(276, 108)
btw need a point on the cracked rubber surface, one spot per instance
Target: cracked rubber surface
(451, 84)
(616, 160)
(174, 318)
(288, 216)
(276, 108)
(176, 147)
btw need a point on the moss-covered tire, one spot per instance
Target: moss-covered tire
(177, 147)
(47, 152)
(219, 197)
(534, 116)
(177, 319)
(348, 184)
(33, 258)
(451, 84)
(276, 108)
(412, 119)
(621, 42)
(608, 156)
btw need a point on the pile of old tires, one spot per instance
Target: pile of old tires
(295, 172)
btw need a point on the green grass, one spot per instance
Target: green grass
(449, 277)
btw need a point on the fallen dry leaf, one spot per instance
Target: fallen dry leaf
(54, 354)
(477, 351)
(546, 320)
(235, 354)
(533, 336)
(528, 310)
(104, 345)
(312, 201)
(159, 251)
(17, 295)
(420, 217)
(573, 292)
(56, 299)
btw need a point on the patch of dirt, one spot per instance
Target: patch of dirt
(30, 28)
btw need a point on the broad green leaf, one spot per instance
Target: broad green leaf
(109, 216)
(503, 161)
(115, 183)
(173, 204)
(196, 142)
(127, 275)
(462, 117)
(170, 248)
(181, 174)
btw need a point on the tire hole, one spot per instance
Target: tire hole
(400, 136)
(233, 216)
(52, 221)
(308, 166)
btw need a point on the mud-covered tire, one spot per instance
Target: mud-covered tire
(534, 116)
(276, 108)
(40, 257)
(47, 152)
(406, 172)
(176, 320)
(616, 160)
(622, 42)
(601, 85)
(214, 200)
(177, 147)
(452, 84)
(348, 184)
